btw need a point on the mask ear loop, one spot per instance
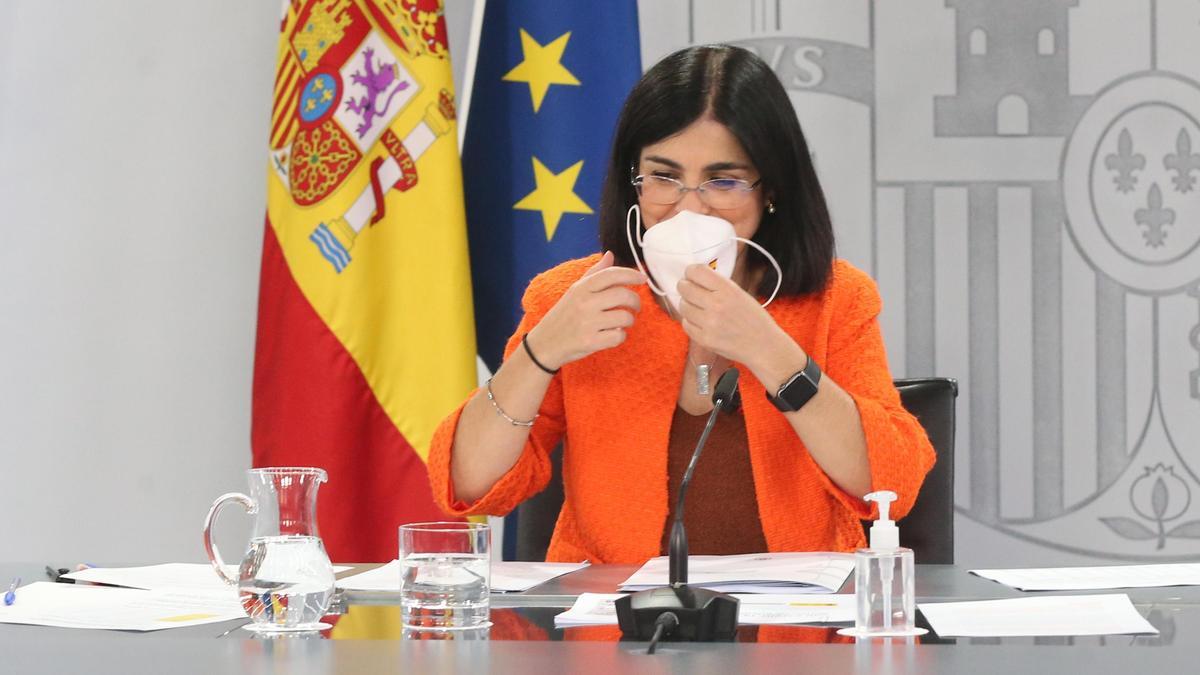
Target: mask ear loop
(633, 249)
(775, 263)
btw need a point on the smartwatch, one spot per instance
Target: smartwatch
(798, 389)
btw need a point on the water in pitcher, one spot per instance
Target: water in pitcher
(444, 590)
(285, 582)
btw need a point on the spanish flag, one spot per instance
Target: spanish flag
(365, 330)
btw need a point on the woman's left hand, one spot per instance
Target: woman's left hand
(720, 316)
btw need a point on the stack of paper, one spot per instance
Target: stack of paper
(593, 609)
(753, 572)
(1096, 578)
(146, 598)
(1037, 616)
(507, 577)
(72, 606)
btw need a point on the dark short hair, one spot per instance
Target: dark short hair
(741, 92)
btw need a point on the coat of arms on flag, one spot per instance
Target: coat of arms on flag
(342, 85)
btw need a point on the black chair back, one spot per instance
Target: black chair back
(928, 529)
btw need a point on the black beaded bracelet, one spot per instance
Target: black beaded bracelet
(548, 371)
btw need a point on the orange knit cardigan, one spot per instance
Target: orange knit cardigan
(614, 409)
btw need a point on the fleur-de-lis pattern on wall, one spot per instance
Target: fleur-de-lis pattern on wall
(1124, 162)
(1183, 162)
(1154, 218)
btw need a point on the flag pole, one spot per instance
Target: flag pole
(464, 98)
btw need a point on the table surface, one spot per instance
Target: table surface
(523, 639)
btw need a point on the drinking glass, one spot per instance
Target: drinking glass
(445, 576)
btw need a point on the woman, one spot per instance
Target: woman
(619, 373)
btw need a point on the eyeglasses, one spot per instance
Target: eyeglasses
(719, 193)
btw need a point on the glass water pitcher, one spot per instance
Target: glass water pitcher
(285, 580)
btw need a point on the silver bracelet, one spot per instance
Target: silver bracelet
(500, 411)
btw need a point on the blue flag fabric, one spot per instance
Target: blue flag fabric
(550, 80)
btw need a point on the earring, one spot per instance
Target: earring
(770, 207)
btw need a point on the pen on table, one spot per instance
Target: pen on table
(56, 575)
(11, 596)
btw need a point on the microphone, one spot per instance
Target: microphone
(725, 399)
(679, 611)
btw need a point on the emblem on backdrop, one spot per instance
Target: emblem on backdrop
(1025, 188)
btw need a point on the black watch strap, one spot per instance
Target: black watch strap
(798, 388)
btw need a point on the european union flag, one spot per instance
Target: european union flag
(550, 81)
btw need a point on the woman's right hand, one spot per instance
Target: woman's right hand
(592, 315)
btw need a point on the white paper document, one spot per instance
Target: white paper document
(382, 578)
(72, 606)
(753, 572)
(1096, 578)
(168, 576)
(506, 577)
(1038, 616)
(597, 609)
(195, 576)
(510, 577)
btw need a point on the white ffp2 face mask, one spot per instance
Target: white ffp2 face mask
(684, 239)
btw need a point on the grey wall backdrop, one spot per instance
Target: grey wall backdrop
(1019, 176)
(134, 191)
(131, 139)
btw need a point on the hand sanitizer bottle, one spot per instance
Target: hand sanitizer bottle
(883, 579)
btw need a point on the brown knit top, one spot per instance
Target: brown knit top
(721, 511)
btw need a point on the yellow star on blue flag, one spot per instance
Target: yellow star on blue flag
(554, 195)
(542, 66)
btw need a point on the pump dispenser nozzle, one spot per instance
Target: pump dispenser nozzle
(884, 533)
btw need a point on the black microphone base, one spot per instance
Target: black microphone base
(704, 615)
